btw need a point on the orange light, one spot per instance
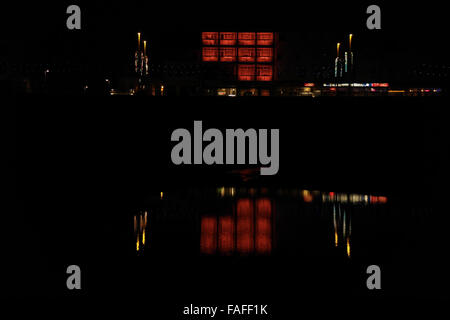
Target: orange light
(210, 38)
(226, 234)
(264, 38)
(246, 38)
(264, 55)
(227, 54)
(246, 72)
(246, 54)
(210, 54)
(208, 235)
(264, 73)
(228, 38)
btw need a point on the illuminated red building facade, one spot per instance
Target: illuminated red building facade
(253, 54)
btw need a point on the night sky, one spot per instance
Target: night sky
(410, 34)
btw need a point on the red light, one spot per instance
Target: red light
(210, 38)
(264, 73)
(244, 237)
(227, 38)
(265, 55)
(246, 54)
(246, 72)
(383, 85)
(226, 234)
(382, 199)
(210, 54)
(246, 38)
(227, 54)
(264, 39)
(263, 230)
(309, 84)
(264, 208)
(208, 235)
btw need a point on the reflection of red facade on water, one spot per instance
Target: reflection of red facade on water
(209, 235)
(249, 230)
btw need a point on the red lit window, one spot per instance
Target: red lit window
(227, 54)
(210, 54)
(246, 72)
(264, 39)
(264, 55)
(264, 73)
(227, 38)
(208, 235)
(246, 55)
(246, 38)
(210, 38)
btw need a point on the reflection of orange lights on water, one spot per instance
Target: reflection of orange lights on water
(208, 235)
(307, 196)
(263, 226)
(348, 247)
(244, 226)
(226, 234)
(250, 230)
(335, 238)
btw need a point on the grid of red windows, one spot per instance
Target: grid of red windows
(246, 38)
(210, 53)
(210, 38)
(246, 72)
(264, 38)
(264, 72)
(228, 38)
(227, 54)
(246, 54)
(264, 55)
(254, 47)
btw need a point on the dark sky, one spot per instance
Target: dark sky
(38, 34)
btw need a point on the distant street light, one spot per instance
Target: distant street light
(350, 42)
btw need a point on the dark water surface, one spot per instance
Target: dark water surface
(361, 182)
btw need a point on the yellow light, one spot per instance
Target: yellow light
(338, 46)
(145, 47)
(162, 194)
(348, 247)
(350, 42)
(139, 41)
(143, 237)
(137, 244)
(335, 239)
